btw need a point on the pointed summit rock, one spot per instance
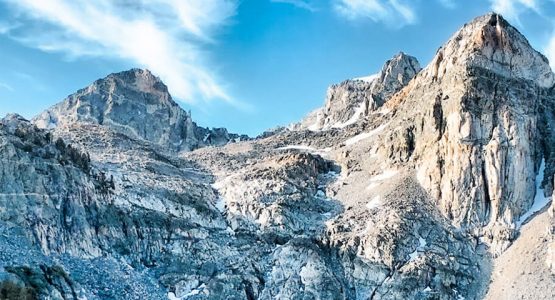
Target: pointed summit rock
(137, 104)
(490, 42)
(395, 74)
(353, 99)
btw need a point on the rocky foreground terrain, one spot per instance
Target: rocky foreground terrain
(412, 183)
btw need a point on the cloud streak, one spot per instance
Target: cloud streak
(395, 13)
(165, 36)
(550, 51)
(450, 4)
(512, 9)
(298, 3)
(6, 86)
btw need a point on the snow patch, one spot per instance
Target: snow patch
(220, 204)
(354, 118)
(201, 289)
(176, 144)
(540, 200)
(309, 149)
(359, 137)
(421, 244)
(297, 147)
(368, 79)
(383, 176)
(459, 296)
(374, 203)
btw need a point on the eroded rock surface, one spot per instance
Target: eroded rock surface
(477, 128)
(353, 99)
(135, 103)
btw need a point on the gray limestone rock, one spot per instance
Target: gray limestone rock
(137, 104)
(354, 99)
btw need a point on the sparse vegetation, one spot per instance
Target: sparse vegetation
(104, 184)
(12, 291)
(69, 153)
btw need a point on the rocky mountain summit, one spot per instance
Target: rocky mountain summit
(352, 99)
(135, 103)
(431, 183)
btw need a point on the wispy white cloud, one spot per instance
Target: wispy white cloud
(6, 27)
(6, 86)
(396, 13)
(165, 36)
(298, 3)
(448, 3)
(512, 9)
(550, 51)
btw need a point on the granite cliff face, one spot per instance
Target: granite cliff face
(478, 128)
(137, 104)
(412, 184)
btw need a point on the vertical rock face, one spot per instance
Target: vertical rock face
(353, 99)
(395, 74)
(135, 103)
(479, 118)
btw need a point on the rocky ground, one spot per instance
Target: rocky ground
(525, 270)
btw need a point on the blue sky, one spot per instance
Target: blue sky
(247, 65)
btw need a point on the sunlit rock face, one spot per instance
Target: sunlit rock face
(480, 119)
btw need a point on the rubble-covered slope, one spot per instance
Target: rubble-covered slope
(527, 269)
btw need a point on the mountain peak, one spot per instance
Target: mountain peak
(133, 80)
(490, 42)
(137, 104)
(353, 99)
(396, 73)
(142, 79)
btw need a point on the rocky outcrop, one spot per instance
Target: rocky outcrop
(476, 123)
(353, 99)
(327, 247)
(137, 104)
(280, 195)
